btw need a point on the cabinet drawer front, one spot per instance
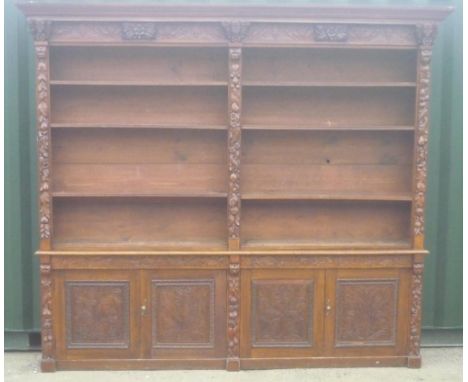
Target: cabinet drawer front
(366, 312)
(281, 313)
(96, 314)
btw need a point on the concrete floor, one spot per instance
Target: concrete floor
(439, 364)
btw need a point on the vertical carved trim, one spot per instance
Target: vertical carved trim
(233, 314)
(236, 31)
(47, 334)
(425, 34)
(234, 145)
(416, 302)
(43, 138)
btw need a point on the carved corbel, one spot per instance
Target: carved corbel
(40, 29)
(235, 31)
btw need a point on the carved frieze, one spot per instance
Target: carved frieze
(47, 332)
(353, 34)
(139, 31)
(234, 31)
(86, 31)
(425, 34)
(234, 143)
(139, 262)
(331, 32)
(43, 139)
(268, 261)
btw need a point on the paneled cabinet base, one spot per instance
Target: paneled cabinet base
(275, 310)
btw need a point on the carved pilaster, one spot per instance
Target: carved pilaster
(234, 147)
(47, 334)
(233, 328)
(415, 314)
(43, 141)
(425, 34)
(236, 31)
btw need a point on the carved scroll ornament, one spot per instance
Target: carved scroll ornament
(139, 31)
(331, 32)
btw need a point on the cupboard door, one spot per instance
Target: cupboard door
(366, 312)
(96, 314)
(282, 313)
(184, 314)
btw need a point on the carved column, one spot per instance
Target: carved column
(235, 32)
(47, 333)
(425, 34)
(40, 30)
(234, 147)
(414, 359)
(233, 314)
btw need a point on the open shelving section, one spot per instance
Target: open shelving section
(327, 147)
(139, 135)
(139, 147)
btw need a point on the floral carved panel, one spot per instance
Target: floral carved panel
(97, 314)
(282, 313)
(366, 312)
(183, 313)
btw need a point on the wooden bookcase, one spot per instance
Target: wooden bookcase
(231, 187)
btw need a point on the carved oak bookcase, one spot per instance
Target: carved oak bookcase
(231, 187)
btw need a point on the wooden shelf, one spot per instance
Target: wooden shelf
(302, 244)
(329, 128)
(136, 195)
(134, 126)
(134, 83)
(372, 84)
(143, 245)
(328, 196)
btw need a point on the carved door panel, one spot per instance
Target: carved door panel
(366, 312)
(282, 313)
(184, 314)
(96, 314)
